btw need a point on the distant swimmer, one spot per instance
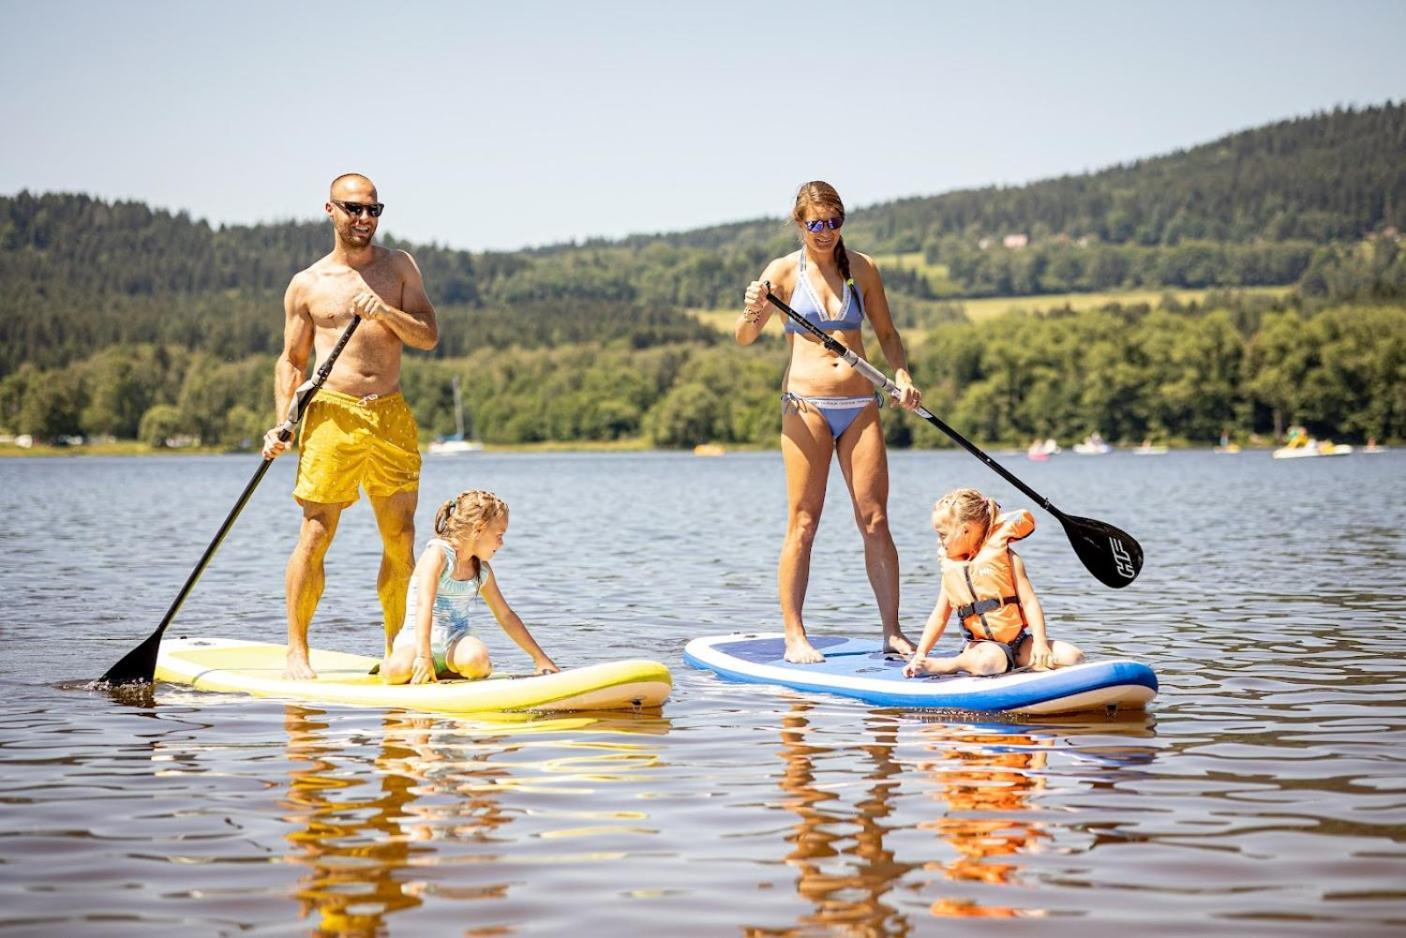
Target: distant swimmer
(358, 432)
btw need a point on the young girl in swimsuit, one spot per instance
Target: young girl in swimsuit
(829, 410)
(984, 581)
(450, 575)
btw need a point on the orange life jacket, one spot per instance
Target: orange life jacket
(982, 589)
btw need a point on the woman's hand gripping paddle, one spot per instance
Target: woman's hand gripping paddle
(1110, 554)
(138, 666)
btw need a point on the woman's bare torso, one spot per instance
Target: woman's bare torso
(813, 370)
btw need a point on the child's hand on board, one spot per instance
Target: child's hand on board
(1041, 657)
(422, 671)
(546, 666)
(914, 667)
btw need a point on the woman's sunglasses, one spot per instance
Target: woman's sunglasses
(820, 224)
(354, 209)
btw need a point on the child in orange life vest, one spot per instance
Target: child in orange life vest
(984, 581)
(450, 576)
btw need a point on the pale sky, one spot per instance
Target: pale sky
(499, 125)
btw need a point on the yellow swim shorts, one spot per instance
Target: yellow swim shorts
(349, 442)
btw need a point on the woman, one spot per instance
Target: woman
(829, 408)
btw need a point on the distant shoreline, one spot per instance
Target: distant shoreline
(134, 448)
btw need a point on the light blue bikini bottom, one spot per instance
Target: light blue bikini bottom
(839, 412)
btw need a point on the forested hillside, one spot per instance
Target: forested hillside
(147, 305)
(1330, 177)
(1238, 366)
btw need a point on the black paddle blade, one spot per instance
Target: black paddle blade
(1110, 553)
(138, 666)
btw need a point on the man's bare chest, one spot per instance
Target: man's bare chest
(332, 294)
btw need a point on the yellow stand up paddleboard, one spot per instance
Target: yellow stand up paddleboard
(231, 665)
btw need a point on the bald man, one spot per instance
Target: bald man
(358, 432)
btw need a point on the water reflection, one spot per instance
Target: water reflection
(374, 820)
(985, 782)
(1270, 801)
(838, 853)
(981, 788)
(988, 781)
(353, 842)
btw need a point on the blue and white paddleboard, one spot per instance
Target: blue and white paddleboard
(857, 667)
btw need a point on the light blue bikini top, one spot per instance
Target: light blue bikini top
(805, 302)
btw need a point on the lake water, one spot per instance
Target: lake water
(1264, 793)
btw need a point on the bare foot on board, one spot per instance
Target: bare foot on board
(801, 651)
(298, 668)
(898, 644)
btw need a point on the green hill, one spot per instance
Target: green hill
(1281, 204)
(1335, 176)
(121, 319)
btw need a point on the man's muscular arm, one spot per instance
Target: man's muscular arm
(292, 365)
(415, 323)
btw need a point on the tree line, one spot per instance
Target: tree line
(636, 298)
(117, 319)
(1234, 365)
(1259, 207)
(1064, 267)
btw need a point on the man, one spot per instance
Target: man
(357, 431)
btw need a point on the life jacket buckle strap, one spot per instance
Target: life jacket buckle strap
(983, 606)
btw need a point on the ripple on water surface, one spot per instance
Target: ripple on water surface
(1264, 793)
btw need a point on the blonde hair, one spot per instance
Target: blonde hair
(968, 505)
(466, 513)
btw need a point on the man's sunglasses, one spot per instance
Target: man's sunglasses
(820, 224)
(354, 209)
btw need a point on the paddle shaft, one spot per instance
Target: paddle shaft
(883, 383)
(214, 544)
(139, 665)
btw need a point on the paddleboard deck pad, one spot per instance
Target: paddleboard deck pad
(234, 666)
(858, 668)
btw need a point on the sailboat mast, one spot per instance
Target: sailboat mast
(458, 411)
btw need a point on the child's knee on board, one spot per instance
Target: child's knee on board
(397, 667)
(984, 659)
(469, 658)
(1066, 654)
